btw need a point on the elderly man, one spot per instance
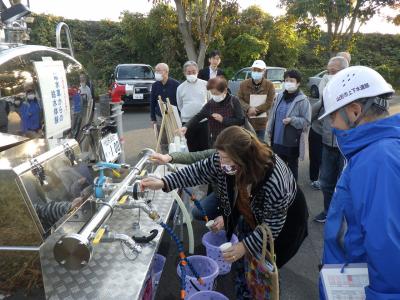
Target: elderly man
(363, 220)
(331, 160)
(315, 134)
(164, 87)
(256, 95)
(191, 95)
(346, 55)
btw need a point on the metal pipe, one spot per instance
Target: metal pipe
(74, 251)
(58, 37)
(110, 237)
(21, 248)
(102, 215)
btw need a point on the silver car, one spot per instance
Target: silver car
(274, 74)
(313, 83)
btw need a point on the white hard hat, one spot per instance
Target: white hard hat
(352, 84)
(259, 64)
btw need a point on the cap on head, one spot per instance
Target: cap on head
(259, 64)
(351, 84)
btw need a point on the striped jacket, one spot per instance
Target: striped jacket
(269, 204)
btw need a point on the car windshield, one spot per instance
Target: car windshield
(134, 72)
(275, 74)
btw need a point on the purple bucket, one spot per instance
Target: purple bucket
(208, 295)
(212, 241)
(157, 268)
(207, 269)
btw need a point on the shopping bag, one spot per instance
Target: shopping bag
(262, 273)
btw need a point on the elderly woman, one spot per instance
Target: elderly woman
(290, 117)
(222, 111)
(253, 184)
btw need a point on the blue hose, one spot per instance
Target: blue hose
(197, 203)
(183, 260)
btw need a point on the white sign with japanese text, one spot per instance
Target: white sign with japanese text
(55, 98)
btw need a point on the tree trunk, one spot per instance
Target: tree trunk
(202, 54)
(205, 20)
(185, 31)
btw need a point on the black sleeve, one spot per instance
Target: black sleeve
(203, 74)
(238, 118)
(202, 114)
(153, 104)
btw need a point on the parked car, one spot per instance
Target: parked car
(313, 83)
(274, 74)
(141, 76)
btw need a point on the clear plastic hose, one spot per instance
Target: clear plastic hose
(188, 221)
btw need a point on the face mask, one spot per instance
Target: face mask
(329, 77)
(30, 96)
(191, 78)
(257, 75)
(290, 86)
(229, 169)
(158, 76)
(217, 98)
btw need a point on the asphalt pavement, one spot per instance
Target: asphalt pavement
(298, 278)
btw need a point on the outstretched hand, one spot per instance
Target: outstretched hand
(151, 183)
(160, 158)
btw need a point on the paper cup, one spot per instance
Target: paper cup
(225, 246)
(209, 224)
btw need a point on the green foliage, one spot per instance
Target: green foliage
(285, 43)
(241, 36)
(340, 17)
(380, 51)
(154, 38)
(246, 48)
(43, 30)
(97, 45)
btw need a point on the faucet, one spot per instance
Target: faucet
(106, 236)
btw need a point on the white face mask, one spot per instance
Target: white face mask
(218, 98)
(327, 76)
(290, 86)
(229, 169)
(257, 75)
(191, 78)
(158, 76)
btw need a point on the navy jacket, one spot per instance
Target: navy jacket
(205, 73)
(167, 90)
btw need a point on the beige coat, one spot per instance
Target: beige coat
(246, 89)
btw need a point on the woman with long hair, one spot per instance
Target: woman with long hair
(253, 185)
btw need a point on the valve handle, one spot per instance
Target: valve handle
(145, 239)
